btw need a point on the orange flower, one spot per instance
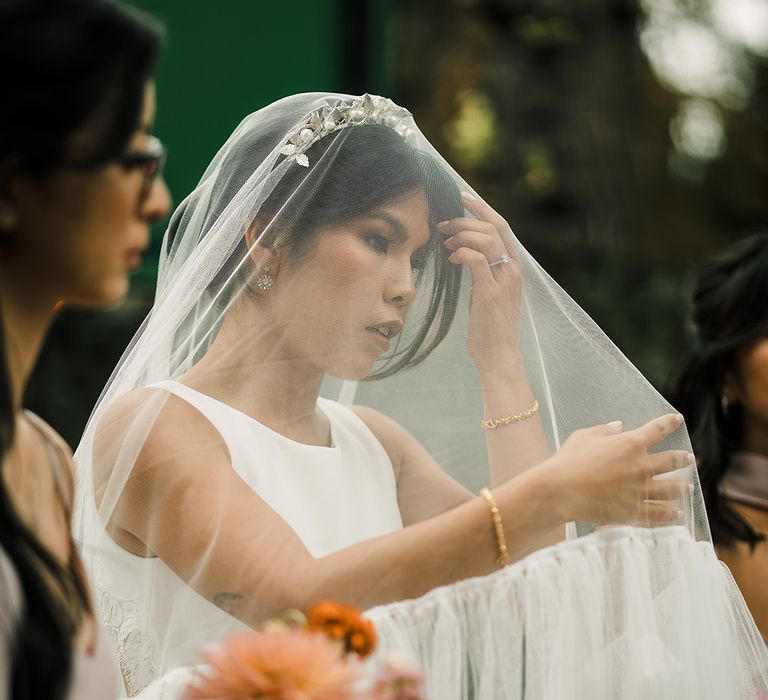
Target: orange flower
(292, 665)
(344, 624)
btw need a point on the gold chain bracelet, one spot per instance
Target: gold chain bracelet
(493, 423)
(498, 527)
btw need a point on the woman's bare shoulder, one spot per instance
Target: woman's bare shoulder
(62, 452)
(159, 423)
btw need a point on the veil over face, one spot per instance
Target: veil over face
(311, 260)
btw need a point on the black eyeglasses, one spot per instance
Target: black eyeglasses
(150, 161)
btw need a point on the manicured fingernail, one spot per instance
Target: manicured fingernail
(615, 425)
(679, 418)
(448, 240)
(679, 514)
(441, 224)
(691, 458)
(690, 488)
(469, 197)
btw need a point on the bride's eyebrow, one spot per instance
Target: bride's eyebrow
(397, 228)
(401, 235)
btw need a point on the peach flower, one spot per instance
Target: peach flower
(290, 665)
(398, 677)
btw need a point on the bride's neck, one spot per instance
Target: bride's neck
(249, 368)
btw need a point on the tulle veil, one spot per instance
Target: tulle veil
(627, 611)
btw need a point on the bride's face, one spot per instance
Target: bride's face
(340, 302)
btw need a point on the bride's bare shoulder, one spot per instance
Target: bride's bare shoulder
(156, 420)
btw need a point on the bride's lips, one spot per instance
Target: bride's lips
(379, 338)
(382, 333)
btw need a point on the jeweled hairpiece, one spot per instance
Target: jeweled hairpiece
(366, 109)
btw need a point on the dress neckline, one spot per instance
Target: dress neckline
(332, 448)
(746, 480)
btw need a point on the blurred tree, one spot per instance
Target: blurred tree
(618, 160)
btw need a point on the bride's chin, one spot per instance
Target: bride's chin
(349, 373)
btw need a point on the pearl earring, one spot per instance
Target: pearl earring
(725, 405)
(264, 280)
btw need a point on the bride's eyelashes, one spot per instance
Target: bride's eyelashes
(378, 241)
(381, 243)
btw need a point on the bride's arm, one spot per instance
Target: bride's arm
(423, 488)
(494, 337)
(184, 501)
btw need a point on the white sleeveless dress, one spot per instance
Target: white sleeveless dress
(332, 497)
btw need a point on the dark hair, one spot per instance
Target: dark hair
(356, 171)
(730, 313)
(69, 66)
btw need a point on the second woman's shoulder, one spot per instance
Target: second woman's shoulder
(61, 450)
(50, 435)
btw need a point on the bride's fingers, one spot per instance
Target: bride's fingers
(482, 277)
(490, 247)
(650, 513)
(658, 429)
(484, 212)
(667, 490)
(453, 226)
(670, 460)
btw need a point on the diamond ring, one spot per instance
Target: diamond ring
(503, 260)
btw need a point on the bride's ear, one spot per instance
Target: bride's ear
(260, 247)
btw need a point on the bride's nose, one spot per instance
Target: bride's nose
(401, 287)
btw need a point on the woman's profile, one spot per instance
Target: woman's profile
(79, 189)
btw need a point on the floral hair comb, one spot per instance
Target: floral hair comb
(366, 109)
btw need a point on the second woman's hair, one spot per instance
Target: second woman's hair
(730, 313)
(71, 68)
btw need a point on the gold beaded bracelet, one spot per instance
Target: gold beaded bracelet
(498, 526)
(493, 423)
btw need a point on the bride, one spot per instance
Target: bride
(319, 392)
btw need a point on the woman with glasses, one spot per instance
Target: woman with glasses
(79, 189)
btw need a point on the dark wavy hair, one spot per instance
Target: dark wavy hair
(730, 313)
(363, 167)
(69, 66)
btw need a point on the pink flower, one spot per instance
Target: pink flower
(290, 665)
(398, 678)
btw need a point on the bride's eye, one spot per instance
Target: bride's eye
(378, 241)
(418, 264)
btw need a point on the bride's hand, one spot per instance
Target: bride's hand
(494, 317)
(604, 476)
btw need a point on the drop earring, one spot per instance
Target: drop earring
(264, 280)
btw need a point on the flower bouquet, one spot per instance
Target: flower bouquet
(313, 656)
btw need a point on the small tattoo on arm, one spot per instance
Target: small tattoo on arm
(226, 601)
